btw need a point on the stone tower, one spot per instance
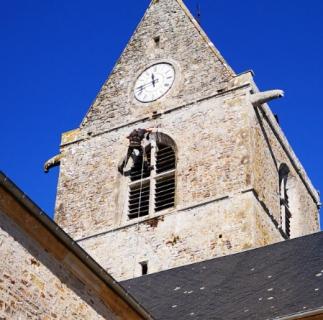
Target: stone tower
(224, 177)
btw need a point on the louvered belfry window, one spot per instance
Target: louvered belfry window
(284, 200)
(165, 178)
(153, 190)
(139, 200)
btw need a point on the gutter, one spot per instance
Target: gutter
(86, 259)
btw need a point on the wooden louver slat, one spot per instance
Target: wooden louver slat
(287, 221)
(165, 159)
(139, 201)
(165, 193)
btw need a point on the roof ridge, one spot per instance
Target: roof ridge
(204, 36)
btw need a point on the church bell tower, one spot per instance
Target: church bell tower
(216, 176)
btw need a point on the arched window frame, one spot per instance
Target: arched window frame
(285, 214)
(154, 192)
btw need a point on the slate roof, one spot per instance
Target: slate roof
(265, 283)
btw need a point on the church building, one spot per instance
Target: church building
(222, 178)
(179, 195)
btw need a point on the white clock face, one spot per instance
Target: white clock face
(154, 82)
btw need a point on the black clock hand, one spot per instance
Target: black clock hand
(153, 78)
(140, 88)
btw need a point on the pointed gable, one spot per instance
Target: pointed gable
(167, 33)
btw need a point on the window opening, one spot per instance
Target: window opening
(157, 41)
(284, 200)
(165, 158)
(157, 184)
(287, 217)
(165, 177)
(165, 193)
(139, 200)
(144, 267)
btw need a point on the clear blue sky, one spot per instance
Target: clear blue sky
(55, 55)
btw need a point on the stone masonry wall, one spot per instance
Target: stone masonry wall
(219, 228)
(33, 285)
(222, 151)
(200, 69)
(269, 154)
(213, 152)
